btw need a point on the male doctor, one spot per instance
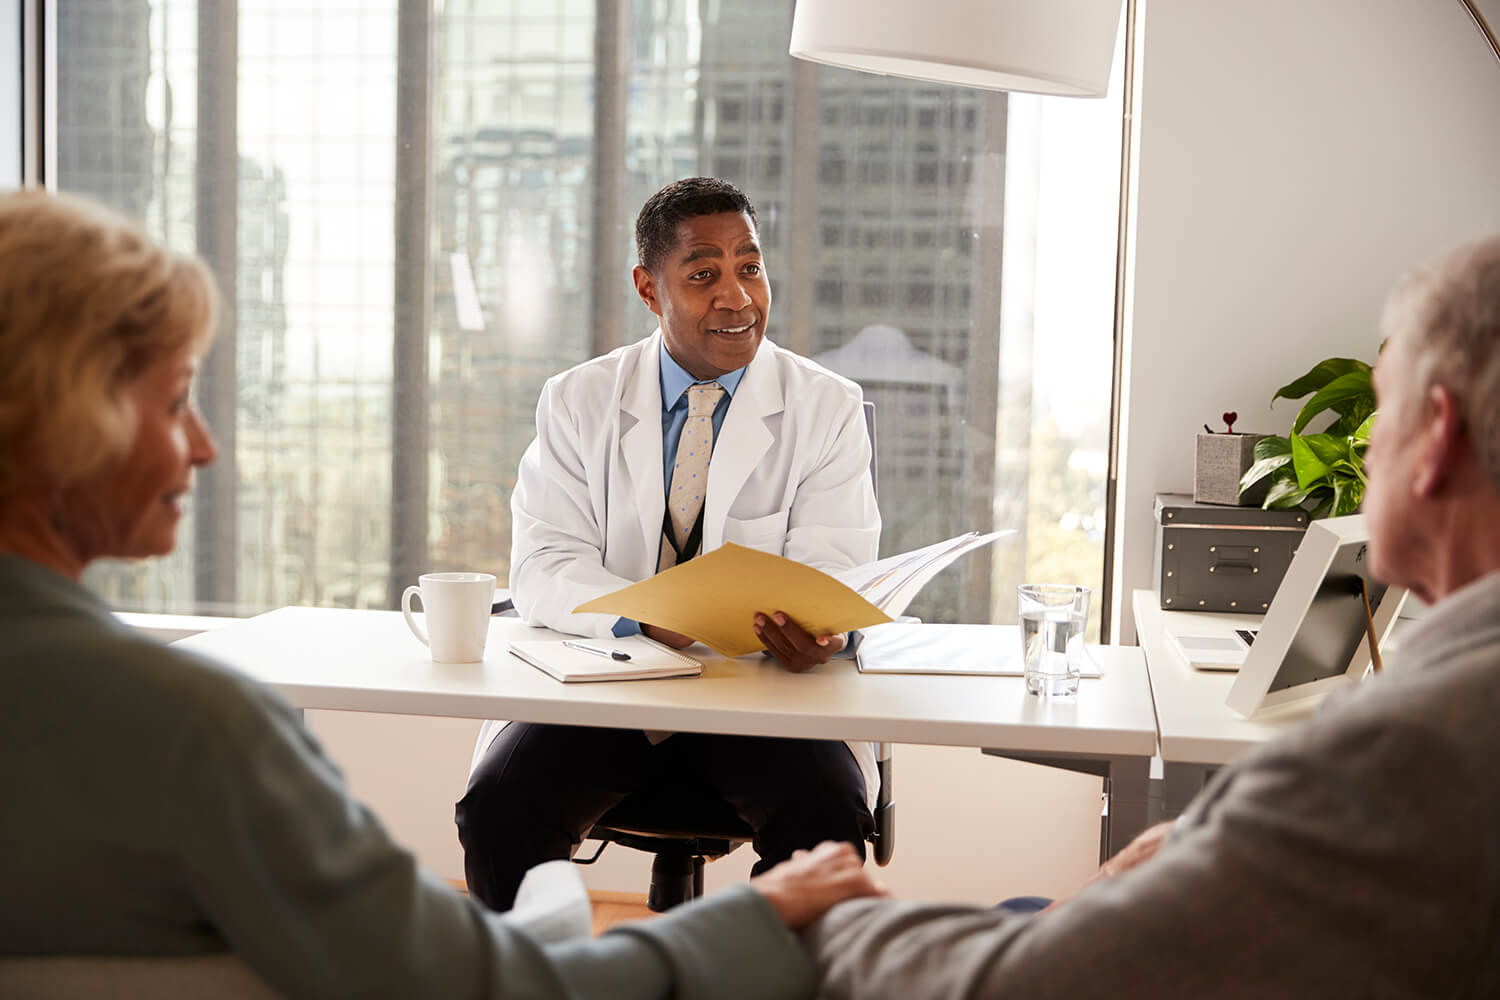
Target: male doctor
(780, 444)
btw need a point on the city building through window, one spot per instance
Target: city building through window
(417, 213)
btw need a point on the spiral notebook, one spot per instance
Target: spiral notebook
(569, 664)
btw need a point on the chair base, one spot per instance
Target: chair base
(677, 861)
(676, 877)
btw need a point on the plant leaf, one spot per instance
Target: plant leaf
(1362, 433)
(1318, 376)
(1284, 494)
(1350, 394)
(1314, 454)
(1358, 410)
(1347, 494)
(1270, 446)
(1264, 468)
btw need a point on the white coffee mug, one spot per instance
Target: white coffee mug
(457, 609)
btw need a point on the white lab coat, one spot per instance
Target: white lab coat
(790, 474)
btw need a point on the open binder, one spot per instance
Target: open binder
(714, 597)
(910, 647)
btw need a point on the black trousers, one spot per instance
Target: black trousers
(540, 788)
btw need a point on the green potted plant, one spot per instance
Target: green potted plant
(1325, 471)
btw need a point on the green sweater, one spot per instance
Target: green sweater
(155, 803)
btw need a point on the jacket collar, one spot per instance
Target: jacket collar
(640, 436)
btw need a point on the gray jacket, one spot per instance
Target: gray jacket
(152, 803)
(1358, 856)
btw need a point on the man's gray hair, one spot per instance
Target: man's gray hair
(1451, 313)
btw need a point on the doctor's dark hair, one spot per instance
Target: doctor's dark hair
(656, 226)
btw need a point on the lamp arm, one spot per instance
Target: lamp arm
(1483, 26)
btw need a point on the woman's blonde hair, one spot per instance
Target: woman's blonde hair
(87, 303)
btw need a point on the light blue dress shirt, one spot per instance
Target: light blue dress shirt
(675, 381)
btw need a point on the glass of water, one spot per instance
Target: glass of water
(1053, 619)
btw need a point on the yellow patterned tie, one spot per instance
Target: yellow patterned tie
(690, 472)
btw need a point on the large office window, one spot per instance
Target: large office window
(418, 212)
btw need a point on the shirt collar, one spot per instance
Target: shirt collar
(675, 380)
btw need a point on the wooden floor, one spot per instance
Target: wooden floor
(610, 908)
(614, 908)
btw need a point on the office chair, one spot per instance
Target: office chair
(687, 827)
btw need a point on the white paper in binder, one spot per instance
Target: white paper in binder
(917, 648)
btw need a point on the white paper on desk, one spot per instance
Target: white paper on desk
(891, 583)
(916, 648)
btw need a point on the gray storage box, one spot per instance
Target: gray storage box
(1216, 558)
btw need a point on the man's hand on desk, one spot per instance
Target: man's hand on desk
(803, 888)
(796, 649)
(666, 636)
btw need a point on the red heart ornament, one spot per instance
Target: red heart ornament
(1229, 418)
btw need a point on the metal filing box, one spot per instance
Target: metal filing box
(1211, 557)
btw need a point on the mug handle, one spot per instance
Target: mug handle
(411, 622)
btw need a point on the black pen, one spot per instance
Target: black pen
(613, 654)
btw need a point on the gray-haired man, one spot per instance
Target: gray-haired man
(1358, 856)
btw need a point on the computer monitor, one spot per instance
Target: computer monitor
(1315, 634)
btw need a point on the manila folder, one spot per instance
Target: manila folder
(714, 598)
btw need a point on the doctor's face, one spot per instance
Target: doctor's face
(712, 294)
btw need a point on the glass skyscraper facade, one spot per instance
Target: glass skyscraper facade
(430, 211)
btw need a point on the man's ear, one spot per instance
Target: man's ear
(645, 287)
(1442, 438)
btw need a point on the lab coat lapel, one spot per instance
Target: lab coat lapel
(743, 441)
(640, 446)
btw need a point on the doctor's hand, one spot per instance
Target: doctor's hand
(796, 649)
(666, 637)
(803, 888)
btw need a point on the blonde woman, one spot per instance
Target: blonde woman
(156, 804)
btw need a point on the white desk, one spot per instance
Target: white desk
(1199, 733)
(367, 661)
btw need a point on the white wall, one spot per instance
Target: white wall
(10, 94)
(1296, 157)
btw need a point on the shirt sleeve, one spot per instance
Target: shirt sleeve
(304, 884)
(1310, 870)
(729, 944)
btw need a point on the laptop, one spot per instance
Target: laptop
(1323, 628)
(1204, 648)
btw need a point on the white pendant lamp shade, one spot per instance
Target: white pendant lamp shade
(1040, 46)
